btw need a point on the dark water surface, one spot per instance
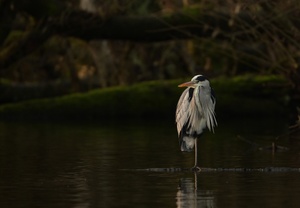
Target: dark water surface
(104, 165)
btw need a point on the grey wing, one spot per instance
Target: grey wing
(182, 111)
(210, 112)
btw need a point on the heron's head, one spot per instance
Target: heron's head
(196, 81)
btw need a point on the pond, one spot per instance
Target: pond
(128, 163)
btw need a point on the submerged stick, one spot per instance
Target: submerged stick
(263, 169)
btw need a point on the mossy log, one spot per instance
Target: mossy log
(246, 95)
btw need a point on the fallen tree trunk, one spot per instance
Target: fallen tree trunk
(188, 23)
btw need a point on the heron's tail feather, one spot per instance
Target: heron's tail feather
(186, 143)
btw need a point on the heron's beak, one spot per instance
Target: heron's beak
(186, 84)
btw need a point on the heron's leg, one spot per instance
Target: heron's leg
(196, 154)
(196, 168)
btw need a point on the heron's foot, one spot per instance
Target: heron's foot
(196, 169)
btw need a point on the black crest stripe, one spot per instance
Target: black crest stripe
(201, 78)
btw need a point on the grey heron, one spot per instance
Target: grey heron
(195, 112)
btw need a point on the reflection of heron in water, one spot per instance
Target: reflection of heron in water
(195, 111)
(189, 196)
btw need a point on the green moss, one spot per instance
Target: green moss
(194, 10)
(244, 95)
(252, 95)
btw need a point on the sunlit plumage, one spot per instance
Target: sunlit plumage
(195, 112)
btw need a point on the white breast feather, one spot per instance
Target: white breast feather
(193, 111)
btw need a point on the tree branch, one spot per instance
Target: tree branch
(189, 23)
